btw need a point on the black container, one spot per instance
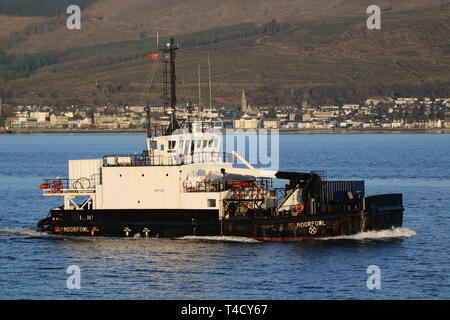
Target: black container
(342, 190)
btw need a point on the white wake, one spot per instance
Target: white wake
(370, 235)
(220, 239)
(377, 235)
(16, 231)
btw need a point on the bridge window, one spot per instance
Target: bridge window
(186, 146)
(172, 145)
(205, 142)
(211, 203)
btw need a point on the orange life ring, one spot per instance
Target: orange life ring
(44, 186)
(299, 207)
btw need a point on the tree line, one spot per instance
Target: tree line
(18, 66)
(14, 38)
(237, 32)
(13, 66)
(5, 111)
(279, 94)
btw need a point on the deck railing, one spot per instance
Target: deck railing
(60, 186)
(165, 160)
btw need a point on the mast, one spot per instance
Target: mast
(149, 122)
(210, 85)
(199, 90)
(169, 57)
(147, 108)
(157, 40)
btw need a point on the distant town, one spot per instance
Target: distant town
(374, 113)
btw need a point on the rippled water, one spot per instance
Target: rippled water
(414, 260)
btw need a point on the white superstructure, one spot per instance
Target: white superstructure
(177, 171)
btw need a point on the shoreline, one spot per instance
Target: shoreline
(367, 131)
(281, 131)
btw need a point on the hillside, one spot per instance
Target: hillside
(311, 51)
(106, 21)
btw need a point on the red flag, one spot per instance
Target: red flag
(152, 56)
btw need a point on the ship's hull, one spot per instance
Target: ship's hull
(180, 223)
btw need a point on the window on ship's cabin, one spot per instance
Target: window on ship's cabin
(210, 144)
(186, 146)
(205, 142)
(162, 147)
(153, 145)
(199, 144)
(211, 203)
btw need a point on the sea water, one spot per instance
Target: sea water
(413, 260)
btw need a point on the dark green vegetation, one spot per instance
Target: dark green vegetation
(39, 7)
(13, 67)
(5, 111)
(332, 60)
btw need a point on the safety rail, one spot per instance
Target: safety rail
(246, 200)
(201, 126)
(158, 131)
(170, 160)
(236, 190)
(201, 186)
(253, 192)
(58, 186)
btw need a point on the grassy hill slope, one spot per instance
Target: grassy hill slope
(296, 58)
(106, 21)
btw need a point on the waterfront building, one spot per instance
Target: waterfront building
(273, 123)
(246, 122)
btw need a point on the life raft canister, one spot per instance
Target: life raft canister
(299, 207)
(57, 186)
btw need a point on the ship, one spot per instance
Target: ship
(184, 185)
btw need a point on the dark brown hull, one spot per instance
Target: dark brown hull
(180, 223)
(317, 226)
